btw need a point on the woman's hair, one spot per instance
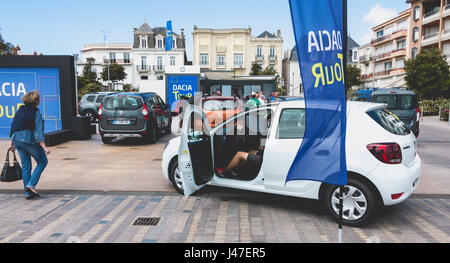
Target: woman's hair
(32, 98)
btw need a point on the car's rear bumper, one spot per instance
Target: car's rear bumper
(397, 179)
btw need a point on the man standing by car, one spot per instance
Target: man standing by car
(253, 102)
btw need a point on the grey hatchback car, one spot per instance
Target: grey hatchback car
(125, 116)
(403, 103)
(90, 103)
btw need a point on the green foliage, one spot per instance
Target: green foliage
(256, 68)
(431, 107)
(88, 72)
(428, 74)
(116, 72)
(268, 71)
(353, 77)
(5, 47)
(89, 88)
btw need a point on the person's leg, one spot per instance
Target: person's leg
(25, 159)
(238, 160)
(41, 159)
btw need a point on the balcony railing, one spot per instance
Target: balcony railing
(426, 37)
(158, 68)
(381, 39)
(272, 57)
(382, 73)
(365, 58)
(259, 57)
(383, 55)
(143, 68)
(430, 14)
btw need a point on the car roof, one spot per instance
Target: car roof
(219, 98)
(393, 91)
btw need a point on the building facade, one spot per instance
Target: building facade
(145, 60)
(430, 26)
(236, 49)
(384, 65)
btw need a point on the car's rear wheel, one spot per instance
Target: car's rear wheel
(360, 203)
(91, 114)
(107, 140)
(152, 136)
(175, 177)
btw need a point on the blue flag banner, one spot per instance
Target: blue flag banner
(318, 27)
(169, 36)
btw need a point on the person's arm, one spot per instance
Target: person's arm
(39, 132)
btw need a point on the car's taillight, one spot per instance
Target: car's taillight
(145, 112)
(100, 112)
(418, 114)
(389, 153)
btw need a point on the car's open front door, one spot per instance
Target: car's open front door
(195, 155)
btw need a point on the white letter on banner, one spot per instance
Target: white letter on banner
(21, 89)
(335, 43)
(3, 89)
(329, 40)
(312, 41)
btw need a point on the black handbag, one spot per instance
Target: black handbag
(11, 173)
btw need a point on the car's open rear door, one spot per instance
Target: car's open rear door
(195, 154)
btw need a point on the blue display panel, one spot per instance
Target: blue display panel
(180, 85)
(16, 82)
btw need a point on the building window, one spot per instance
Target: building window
(144, 62)
(160, 43)
(238, 60)
(159, 61)
(355, 56)
(221, 61)
(172, 60)
(259, 51)
(380, 34)
(174, 43)
(388, 66)
(112, 58)
(415, 34)
(401, 44)
(400, 63)
(144, 77)
(416, 14)
(204, 59)
(126, 58)
(143, 43)
(272, 51)
(414, 52)
(272, 66)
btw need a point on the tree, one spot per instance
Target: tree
(88, 73)
(428, 74)
(116, 72)
(256, 68)
(89, 88)
(353, 77)
(268, 71)
(5, 47)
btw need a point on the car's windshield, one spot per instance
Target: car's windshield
(122, 103)
(389, 121)
(397, 101)
(218, 105)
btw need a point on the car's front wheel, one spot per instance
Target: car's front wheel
(91, 114)
(175, 177)
(360, 202)
(107, 140)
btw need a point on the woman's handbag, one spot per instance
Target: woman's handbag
(11, 173)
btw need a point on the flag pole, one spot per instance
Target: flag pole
(345, 42)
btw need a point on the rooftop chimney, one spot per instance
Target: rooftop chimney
(182, 32)
(279, 33)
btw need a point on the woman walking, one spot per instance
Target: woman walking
(27, 137)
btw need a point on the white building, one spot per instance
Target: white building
(291, 73)
(145, 61)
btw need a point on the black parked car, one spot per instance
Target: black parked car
(134, 115)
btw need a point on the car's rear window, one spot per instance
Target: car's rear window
(389, 121)
(122, 103)
(218, 105)
(397, 101)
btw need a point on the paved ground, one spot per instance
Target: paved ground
(209, 217)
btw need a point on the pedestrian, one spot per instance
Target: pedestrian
(262, 98)
(253, 102)
(27, 137)
(219, 93)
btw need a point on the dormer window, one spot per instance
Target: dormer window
(159, 42)
(143, 42)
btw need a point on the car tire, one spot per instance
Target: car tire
(152, 136)
(360, 203)
(91, 114)
(107, 140)
(175, 177)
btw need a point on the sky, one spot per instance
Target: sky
(62, 27)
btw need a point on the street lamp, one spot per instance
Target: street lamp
(109, 76)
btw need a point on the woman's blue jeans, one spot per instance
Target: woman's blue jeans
(26, 151)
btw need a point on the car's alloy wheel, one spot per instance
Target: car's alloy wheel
(355, 202)
(175, 178)
(360, 202)
(91, 115)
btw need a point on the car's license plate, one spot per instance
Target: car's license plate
(116, 122)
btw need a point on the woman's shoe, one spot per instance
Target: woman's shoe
(32, 193)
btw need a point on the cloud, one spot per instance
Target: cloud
(378, 14)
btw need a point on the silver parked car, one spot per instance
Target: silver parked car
(90, 104)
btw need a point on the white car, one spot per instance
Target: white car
(382, 161)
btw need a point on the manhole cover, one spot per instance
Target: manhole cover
(146, 221)
(70, 159)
